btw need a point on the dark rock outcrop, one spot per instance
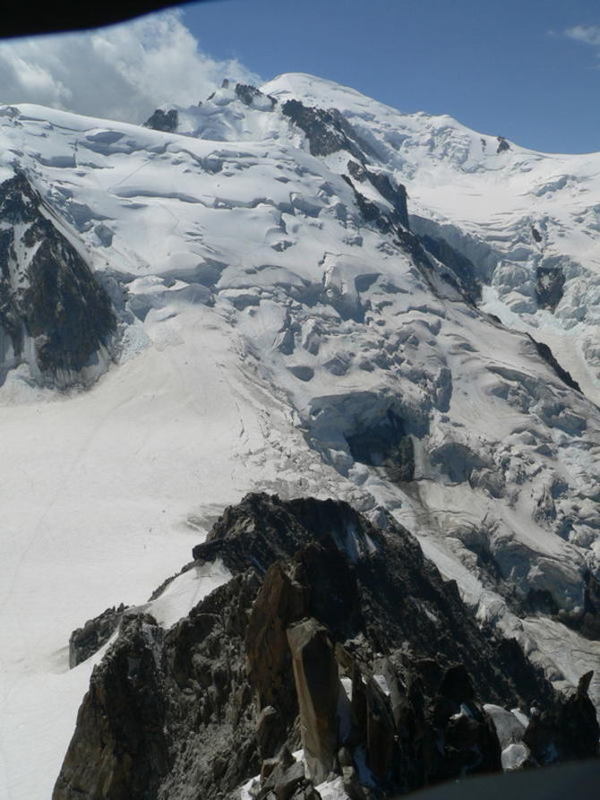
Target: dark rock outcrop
(327, 131)
(332, 632)
(123, 715)
(318, 689)
(249, 94)
(284, 778)
(48, 295)
(458, 273)
(391, 222)
(579, 779)
(166, 710)
(590, 622)
(86, 641)
(165, 121)
(546, 353)
(262, 530)
(568, 730)
(549, 286)
(462, 267)
(396, 196)
(370, 212)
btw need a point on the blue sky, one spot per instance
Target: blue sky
(526, 69)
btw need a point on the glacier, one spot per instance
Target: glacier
(313, 294)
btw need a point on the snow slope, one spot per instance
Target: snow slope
(274, 337)
(486, 203)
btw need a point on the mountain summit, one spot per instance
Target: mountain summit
(297, 290)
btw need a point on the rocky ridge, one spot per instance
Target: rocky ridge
(334, 636)
(54, 314)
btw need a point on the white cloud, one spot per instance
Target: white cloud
(123, 72)
(588, 34)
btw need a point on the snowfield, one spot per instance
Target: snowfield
(272, 336)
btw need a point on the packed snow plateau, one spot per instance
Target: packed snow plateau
(281, 325)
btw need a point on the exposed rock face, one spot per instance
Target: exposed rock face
(48, 294)
(318, 689)
(395, 222)
(250, 95)
(333, 632)
(461, 266)
(123, 716)
(327, 130)
(86, 641)
(166, 121)
(590, 623)
(567, 731)
(261, 530)
(280, 602)
(370, 212)
(546, 353)
(549, 287)
(166, 710)
(397, 197)
(284, 778)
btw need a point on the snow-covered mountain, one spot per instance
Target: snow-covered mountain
(300, 290)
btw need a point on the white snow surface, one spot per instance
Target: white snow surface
(514, 756)
(509, 728)
(485, 203)
(185, 591)
(263, 323)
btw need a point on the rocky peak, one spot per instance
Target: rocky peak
(333, 634)
(48, 293)
(262, 529)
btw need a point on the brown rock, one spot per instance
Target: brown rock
(120, 750)
(318, 687)
(267, 767)
(280, 602)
